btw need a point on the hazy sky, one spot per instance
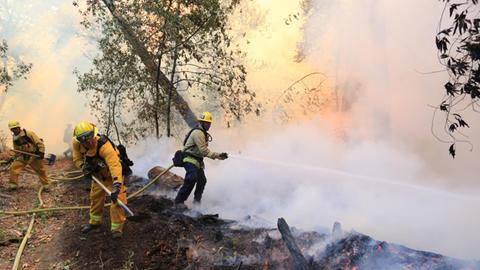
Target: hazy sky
(44, 33)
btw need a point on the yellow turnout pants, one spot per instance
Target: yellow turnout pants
(97, 201)
(36, 164)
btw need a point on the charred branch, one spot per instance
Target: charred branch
(299, 261)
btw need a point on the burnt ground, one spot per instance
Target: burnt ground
(162, 237)
(159, 237)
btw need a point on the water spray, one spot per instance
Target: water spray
(351, 176)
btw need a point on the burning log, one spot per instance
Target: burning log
(299, 262)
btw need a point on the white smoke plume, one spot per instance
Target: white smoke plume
(304, 174)
(387, 176)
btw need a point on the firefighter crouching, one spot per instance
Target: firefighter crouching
(98, 157)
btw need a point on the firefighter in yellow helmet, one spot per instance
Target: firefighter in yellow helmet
(97, 156)
(195, 148)
(26, 141)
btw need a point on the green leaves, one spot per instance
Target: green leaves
(17, 69)
(192, 34)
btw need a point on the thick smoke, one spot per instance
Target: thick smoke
(386, 176)
(384, 47)
(303, 173)
(44, 33)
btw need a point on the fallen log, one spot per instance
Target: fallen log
(167, 181)
(299, 262)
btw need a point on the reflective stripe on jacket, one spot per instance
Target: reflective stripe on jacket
(197, 146)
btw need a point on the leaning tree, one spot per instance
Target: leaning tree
(154, 55)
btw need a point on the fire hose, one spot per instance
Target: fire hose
(39, 209)
(60, 176)
(28, 234)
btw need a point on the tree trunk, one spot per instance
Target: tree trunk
(171, 89)
(109, 106)
(113, 114)
(148, 60)
(157, 98)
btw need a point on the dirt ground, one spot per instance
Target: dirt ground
(46, 226)
(161, 236)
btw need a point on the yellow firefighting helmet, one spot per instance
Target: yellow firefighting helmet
(84, 131)
(206, 117)
(13, 124)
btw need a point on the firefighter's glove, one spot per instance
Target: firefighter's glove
(40, 155)
(223, 156)
(87, 169)
(115, 191)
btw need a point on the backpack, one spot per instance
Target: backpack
(125, 161)
(181, 154)
(26, 138)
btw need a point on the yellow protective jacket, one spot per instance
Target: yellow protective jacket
(107, 154)
(27, 141)
(196, 148)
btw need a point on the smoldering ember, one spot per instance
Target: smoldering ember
(235, 134)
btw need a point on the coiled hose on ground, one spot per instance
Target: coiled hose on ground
(61, 177)
(28, 234)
